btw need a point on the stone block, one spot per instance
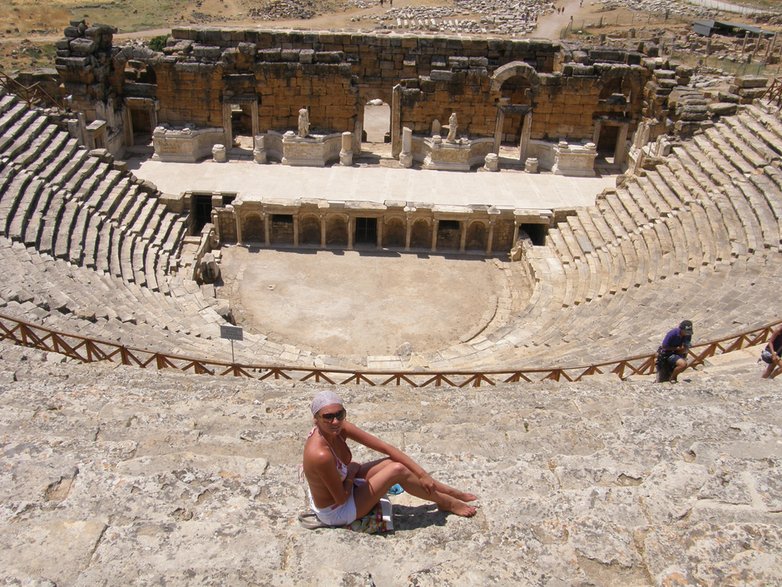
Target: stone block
(751, 81)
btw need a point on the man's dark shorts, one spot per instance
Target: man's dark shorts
(673, 359)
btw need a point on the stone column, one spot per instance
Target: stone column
(516, 228)
(322, 231)
(463, 237)
(435, 226)
(498, 130)
(526, 131)
(228, 139)
(266, 226)
(596, 134)
(259, 149)
(620, 154)
(350, 233)
(490, 238)
(406, 156)
(238, 220)
(295, 230)
(254, 117)
(396, 121)
(408, 233)
(380, 233)
(346, 152)
(127, 125)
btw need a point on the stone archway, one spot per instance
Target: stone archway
(394, 233)
(309, 230)
(517, 103)
(477, 234)
(337, 231)
(515, 69)
(252, 228)
(421, 235)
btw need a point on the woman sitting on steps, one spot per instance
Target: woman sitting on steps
(341, 490)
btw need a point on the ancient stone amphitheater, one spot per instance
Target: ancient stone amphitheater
(116, 474)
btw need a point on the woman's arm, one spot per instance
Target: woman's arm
(373, 442)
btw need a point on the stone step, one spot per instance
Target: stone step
(671, 190)
(110, 205)
(593, 216)
(637, 191)
(754, 234)
(581, 234)
(25, 209)
(11, 139)
(79, 234)
(7, 101)
(625, 220)
(631, 207)
(697, 228)
(33, 229)
(770, 123)
(71, 167)
(100, 190)
(682, 261)
(652, 194)
(743, 161)
(689, 167)
(710, 160)
(769, 226)
(770, 191)
(570, 240)
(50, 222)
(126, 257)
(36, 148)
(733, 225)
(145, 214)
(90, 167)
(756, 136)
(42, 156)
(722, 249)
(11, 116)
(558, 245)
(50, 172)
(103, 247)
(64, 229)
(11, 196)
(156, 226)
(174, 242)
(734, 138)
(656, 269)
(691, 238)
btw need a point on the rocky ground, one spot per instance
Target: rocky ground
(115, 475)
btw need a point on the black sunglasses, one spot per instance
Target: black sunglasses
(335, 416)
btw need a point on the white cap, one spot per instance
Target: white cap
(323, 399)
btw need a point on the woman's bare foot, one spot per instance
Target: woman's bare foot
(458, 507)
(460, 495)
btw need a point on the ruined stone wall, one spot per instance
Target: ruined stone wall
(381, 61)
(564, 108)
(189, 93)
(326, 90)
(466, 93)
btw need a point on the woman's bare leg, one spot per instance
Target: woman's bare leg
(384, 474)
(370, 469)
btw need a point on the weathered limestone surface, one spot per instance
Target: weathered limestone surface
(122, 476)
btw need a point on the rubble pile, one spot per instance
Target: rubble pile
(285, 10)
(506, 17)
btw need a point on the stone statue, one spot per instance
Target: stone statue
(452, 126)
(304, 122)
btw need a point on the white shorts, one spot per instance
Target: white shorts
(337, 515)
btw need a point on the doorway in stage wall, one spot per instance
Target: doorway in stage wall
(365, 232)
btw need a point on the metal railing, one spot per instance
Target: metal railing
(89, 350)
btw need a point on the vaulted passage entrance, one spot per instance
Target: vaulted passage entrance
(366, 231)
